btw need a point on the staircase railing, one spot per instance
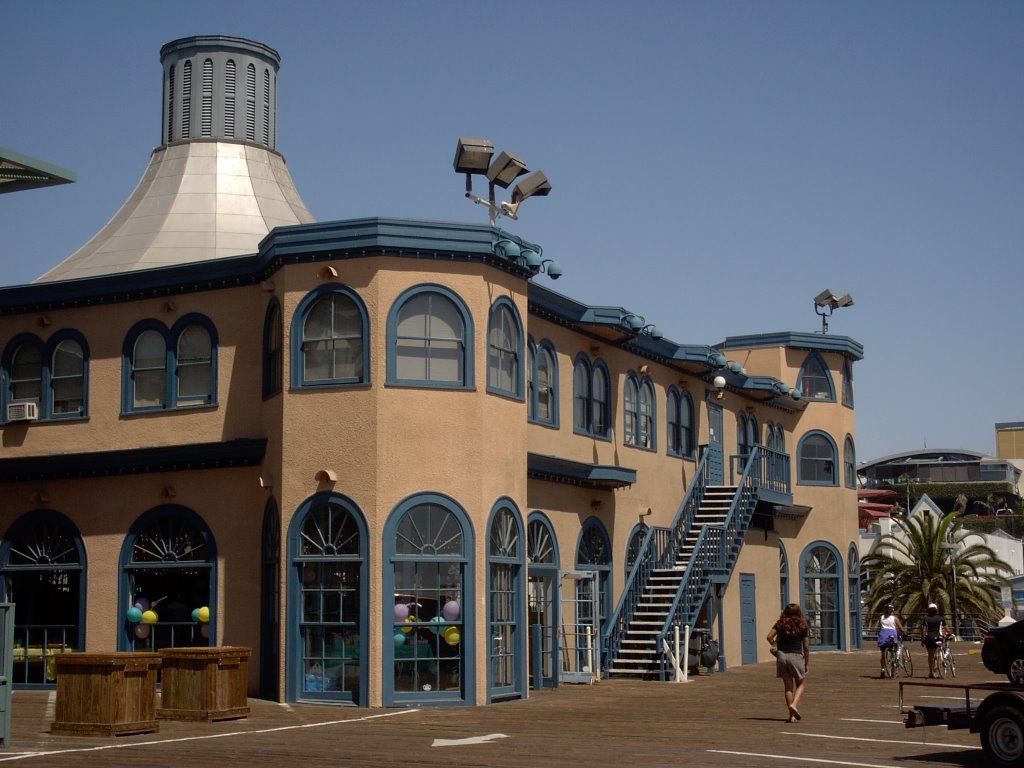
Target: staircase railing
(657, 550)
(714, 554)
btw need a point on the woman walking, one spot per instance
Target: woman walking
(792, 640)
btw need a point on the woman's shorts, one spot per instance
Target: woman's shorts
(886, 636)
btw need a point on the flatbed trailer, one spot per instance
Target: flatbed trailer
(993, 710)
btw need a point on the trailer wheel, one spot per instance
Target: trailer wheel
(1002, 736)
(1015, 674)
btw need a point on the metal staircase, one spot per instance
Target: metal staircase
(675, 570)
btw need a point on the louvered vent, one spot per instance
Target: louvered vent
(250, 103)
(229, 99)
(186, 100)
(170, 104)
(207, 113)
(266, 106)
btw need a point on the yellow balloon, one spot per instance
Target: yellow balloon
(150, 617)
(204, 614)
(452, 636)
(409, 620)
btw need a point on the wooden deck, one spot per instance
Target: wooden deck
(731, 719)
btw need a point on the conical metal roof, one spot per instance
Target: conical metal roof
(216, 186)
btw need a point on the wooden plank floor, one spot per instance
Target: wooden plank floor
(735, 718)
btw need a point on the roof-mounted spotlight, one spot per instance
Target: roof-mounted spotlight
(826, 302)
(552, 267)
(637, 325)
(473, 157)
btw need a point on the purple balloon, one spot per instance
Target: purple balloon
(142, 603)
(451, 610)
(401, 611)
(142, 631)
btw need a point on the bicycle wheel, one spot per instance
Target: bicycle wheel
(905, 661)
(948, 662)
(889, 661)
(943, 663)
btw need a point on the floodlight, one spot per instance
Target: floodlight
(534, 185)
(473, 155)
(505, 169)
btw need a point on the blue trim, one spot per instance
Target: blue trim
(171, 337)
(547, 574)
(593, 526)
(468, 339)
(536, 350)
(783, 576)
(853, 596)
(125, 598)
(642, 389)
(298, 362)
(600, 369)
(794, 340)
(800, 480)
(468, 618)
(849, 462)
(540, 517)
(519, 623)
(815, 357)
(46, 351)
(270, 330)
(517, 324)
(847, 387)
(294, 664)
(839, 577)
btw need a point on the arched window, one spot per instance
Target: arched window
(590, 396)
(273, 349)
(783, 577)
(849, 463)
(42, 561)
(636, 540)
(746, 436)
(815, 381)
(52, 375)
(186, 100)
(505, 590)
(816, 462)
(328, 619)
(680, 423)
(821, 589)
(853, 595)
(631, 411)
(847, 384)
(170, 368)
(430, 335)
(542, 585)
(543, 384)
(638, 411)
(504, 350)
(168, 567)
(330, 339)
(428, 569)
(594, 553)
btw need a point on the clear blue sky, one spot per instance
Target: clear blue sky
(715, 164)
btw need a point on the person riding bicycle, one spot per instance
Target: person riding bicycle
(889, 632)
(932, 632)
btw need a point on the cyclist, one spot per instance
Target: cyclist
(932, 632)
(889, 632)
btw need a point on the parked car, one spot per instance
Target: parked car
(1002, 651)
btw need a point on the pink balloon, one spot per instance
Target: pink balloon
(142, 631)
(204, 630)
(451, 610)
(401, 611)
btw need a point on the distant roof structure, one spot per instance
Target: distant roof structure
(19, 172)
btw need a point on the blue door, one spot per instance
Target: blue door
(716, 461)
(748, 618)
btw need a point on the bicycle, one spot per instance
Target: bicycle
(896, 656)
(947, 664)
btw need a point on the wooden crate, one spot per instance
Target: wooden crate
(204, 683)
(105, 694)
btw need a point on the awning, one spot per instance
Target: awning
(558, 470)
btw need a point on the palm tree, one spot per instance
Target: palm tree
(913, 566)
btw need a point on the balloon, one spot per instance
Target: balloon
(452, 636)
(150, 617)
(142, 631)
(142, 604)
(450, 610)
(401, 611)
(204, 614)
(436, 620)
(134, 615)
(205, 630)
(409, 620)
(400, 638)
(195, 615)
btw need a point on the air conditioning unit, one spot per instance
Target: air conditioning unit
(22, 411)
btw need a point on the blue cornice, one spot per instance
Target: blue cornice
(822, 342)
(243, 452)
(558, 470)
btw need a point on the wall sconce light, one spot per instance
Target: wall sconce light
(266, 481)
(168, 491)
(473, 158)
(826, 302)
(40, 497)
(267, 285)
(328, 272)
(719, 384)
(326, 476)
(644, 369)
(43, 321)
(595, 505)
(170, 306)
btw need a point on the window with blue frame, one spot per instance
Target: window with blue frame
(273, 349)
(746, 435)
(847, 384)
(821, 577)
(636, 540)
(330, 339)
(590, 397)
(169, 368)
(849, 463)
(815, 381)
(593, 553)
(543, 392)
(853, 594)
(50, 374)
(816, 460)
(430, 335)
(504, 350)
(783, 577)
(505, 589)
(680, 423)
(542, 587)
(638, 412)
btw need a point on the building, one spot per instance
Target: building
(382, 454)
(1010, 446)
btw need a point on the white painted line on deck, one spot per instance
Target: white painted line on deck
(468, 740)
(880, 741)
(794, 758)
(866, 720)
(157, 742)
